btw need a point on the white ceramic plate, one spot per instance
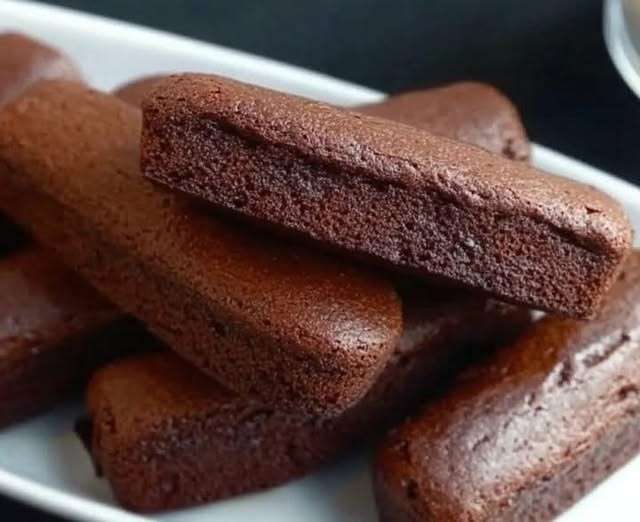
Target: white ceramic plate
(42, 462)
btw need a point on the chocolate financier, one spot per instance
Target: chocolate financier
(68, 349)
(25, 61)
(386, 192)
(54, 332)
(471, 112)
(528, 432)
(265, 318)
(166, 437)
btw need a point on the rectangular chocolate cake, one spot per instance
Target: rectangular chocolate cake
(166, 437)
(55, 331)
(528, 432)
(386, 192)
(265, 318)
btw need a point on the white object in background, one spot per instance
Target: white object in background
(622, 35)
(43, 463)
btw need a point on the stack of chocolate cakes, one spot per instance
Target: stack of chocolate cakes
(253, 283)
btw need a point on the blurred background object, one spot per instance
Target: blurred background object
(549, 56)
(622, 34)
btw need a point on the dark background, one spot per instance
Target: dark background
(548, 56)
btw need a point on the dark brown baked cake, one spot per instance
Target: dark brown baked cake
(135, 91)
(266, 318)
(54, 331)
(24, 61)
(387, 192)
(166, 437)
(475, 113)
(530, 431)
